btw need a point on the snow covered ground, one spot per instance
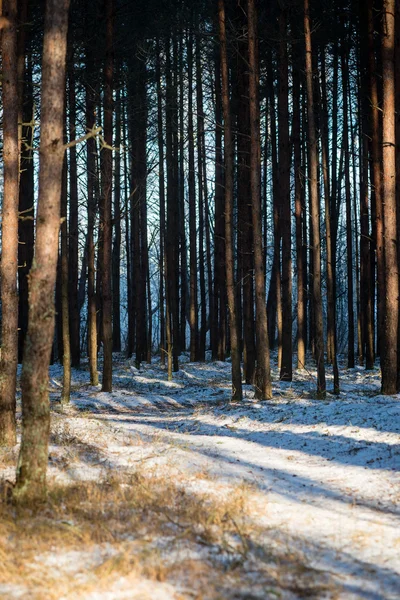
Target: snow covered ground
(320, 480)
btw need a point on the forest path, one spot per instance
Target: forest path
(322, 473)
(311, 488)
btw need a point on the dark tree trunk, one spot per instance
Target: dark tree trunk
(107, 168)
(263, 372)
(201, 188)
(315, 210)
(284, 200)
(116, 252)
(73, 240)
(229, 255)
(349, 235)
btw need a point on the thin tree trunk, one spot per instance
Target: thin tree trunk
(33, 457)
(376, 173)
(349, 235)
(193, 319)
(301, 292)
(9, 230)
(116, 252)
(315, 210)
(107, 168)
(73, 240)
(200, 155)
(391, 296)
(65, 315)
(161, 185)
(263, 372)
(228, 152)
(91, 211)
(219, 231)
(284, 200)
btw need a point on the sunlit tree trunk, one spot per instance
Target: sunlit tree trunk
(391, 297)
(9, 229)
(33, 457)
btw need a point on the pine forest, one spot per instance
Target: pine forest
(199, 299)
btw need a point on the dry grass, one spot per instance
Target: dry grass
(144, 526)
(143, 529)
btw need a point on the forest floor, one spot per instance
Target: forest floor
(166, 490)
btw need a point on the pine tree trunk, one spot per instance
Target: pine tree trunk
(193, 319)
(301, 292)
(315, 211)
(65, 315)
(263, 372)
(161, 185)
(219, 230)
(284, 200)
(73, 240)
(376, 173)
(245, 226)
(9, 230)
(116, 252)
(201, 212)
(33, 458)
(349, 235)
(90, 109)
(391, 295)
(228, 154)
(107, 168)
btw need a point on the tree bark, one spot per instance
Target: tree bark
(228, 154)
(33, 457)
(391, 296)
(284, 200)
(263, 372)
(9, 229)
(315, 210)
(107, 168)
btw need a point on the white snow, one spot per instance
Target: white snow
(324, 475)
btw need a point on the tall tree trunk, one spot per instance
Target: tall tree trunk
(349, 235)
(193, 318)
(245, 226)
(200, 156)
(26, 187)
(376, 172)
(161, 186)
(182, 211)
(65, 315)
(9, 230)
(391, 296)
(33, 457)
(284, 200)
(301, 292)
(219, 231)
(73, 240)
(90, 108)
(172, 246)
(116, 252)
(330, 266)
(107, 168)
(315, 210)
(230, 267)
(263, 373)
